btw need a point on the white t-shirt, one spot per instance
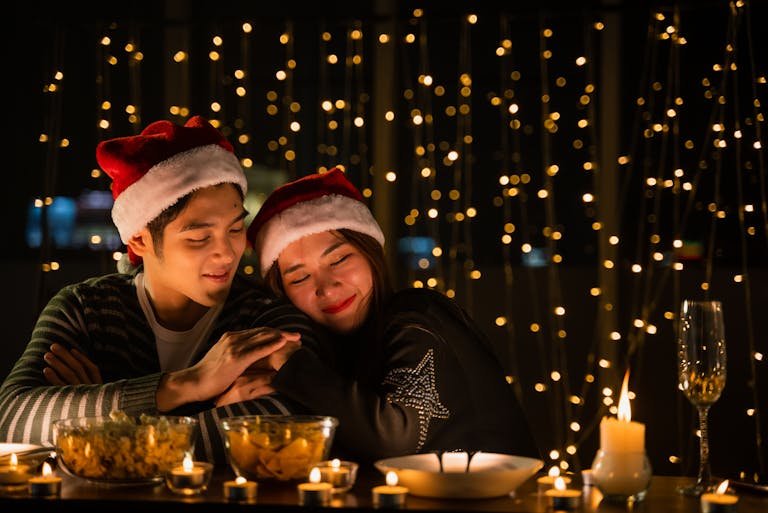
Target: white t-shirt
(176, 348)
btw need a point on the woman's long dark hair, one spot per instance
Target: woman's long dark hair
(373, 252)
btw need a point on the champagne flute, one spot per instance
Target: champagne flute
(701, 371)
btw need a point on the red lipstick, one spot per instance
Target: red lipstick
(340, 306)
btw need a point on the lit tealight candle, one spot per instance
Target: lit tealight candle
(14, 473)
(719, 502)
(189, 478)
(315, 492)
(545, 483)
(46, 485)
(240, 490)
(563, 498)
(390, 495)
(341, 474)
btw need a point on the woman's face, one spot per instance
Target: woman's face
(328, 279)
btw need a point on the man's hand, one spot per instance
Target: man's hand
(220, 367)
(70, 367)
(250, 385)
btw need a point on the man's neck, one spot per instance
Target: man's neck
(172, 310)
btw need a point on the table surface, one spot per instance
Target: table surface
(81, 496)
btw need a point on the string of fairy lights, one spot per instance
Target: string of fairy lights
(441, 176)
(425, 189)
(660, 129)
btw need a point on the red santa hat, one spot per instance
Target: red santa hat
(153, 170)
(309, 205)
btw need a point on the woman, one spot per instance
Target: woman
(405, 372)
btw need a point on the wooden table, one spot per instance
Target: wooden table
(80, 496)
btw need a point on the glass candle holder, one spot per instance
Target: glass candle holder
(189, 479)
(341, 474)
(621, 476)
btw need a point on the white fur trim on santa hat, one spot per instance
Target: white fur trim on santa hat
(330, 212)
(170, 180)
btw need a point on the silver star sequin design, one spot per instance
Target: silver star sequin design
(416, 388)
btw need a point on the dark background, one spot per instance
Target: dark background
(49, 34)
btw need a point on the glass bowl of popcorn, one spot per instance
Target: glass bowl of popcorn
(282, 447)
(122, 449)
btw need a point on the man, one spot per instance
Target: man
(182, 334)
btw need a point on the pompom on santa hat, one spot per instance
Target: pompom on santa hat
(153, 170)
(312, 204)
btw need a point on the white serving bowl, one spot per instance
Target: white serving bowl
(489, 474)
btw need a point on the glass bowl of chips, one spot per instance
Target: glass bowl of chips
(121, 449)
(282, 447)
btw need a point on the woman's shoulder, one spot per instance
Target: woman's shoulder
(422, 301)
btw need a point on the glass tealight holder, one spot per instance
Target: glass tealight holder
(186, 480)
(341, 474)
(621, 476)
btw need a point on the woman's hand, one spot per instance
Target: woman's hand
(276, 360)
(70, 367)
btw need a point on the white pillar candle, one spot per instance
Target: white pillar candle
(621, 469)
(621, 434)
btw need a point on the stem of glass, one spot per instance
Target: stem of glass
(705, 474)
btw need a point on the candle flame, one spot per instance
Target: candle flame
(336, 463)
(314, 475)
(14, 460)
(560, 484)
(722, 488)
(240, 480)
(625, 412)
(391, 478)
(554, 471)
(47, 469)
(187, 464)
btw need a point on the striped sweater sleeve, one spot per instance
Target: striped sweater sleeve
(29, 404)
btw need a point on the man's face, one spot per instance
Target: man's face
(201, 250)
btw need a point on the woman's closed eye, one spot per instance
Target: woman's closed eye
(342, 259)
(301, 279)
(201, 240)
